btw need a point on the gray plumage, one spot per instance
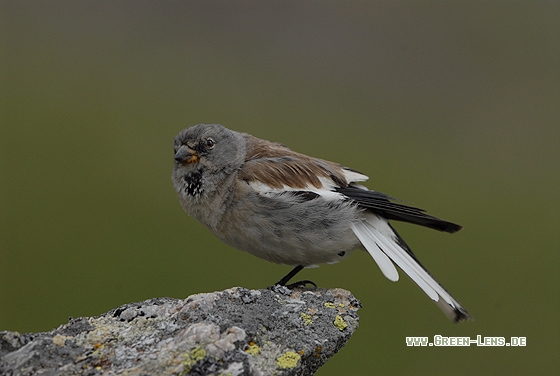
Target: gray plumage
(289, 208)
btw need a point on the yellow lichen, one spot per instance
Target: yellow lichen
(307, 319)
(196, 354)
(288, 360)
(340, 323)
(329, 305)
(253, 349)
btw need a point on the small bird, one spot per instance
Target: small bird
(289, 208)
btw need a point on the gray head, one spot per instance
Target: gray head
(204, 155)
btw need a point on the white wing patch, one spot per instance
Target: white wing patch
(325, 191)
(353, 176)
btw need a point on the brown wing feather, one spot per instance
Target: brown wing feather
(277, 166)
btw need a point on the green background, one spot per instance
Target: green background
(451, 106)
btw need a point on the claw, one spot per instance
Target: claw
(302, 284)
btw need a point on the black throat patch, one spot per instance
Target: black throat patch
(193, 186)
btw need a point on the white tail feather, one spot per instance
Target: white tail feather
(404, 261)
(387, 268)
(379, 238)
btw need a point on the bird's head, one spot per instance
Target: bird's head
(204, 154)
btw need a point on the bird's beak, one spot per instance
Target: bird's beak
(186, 155)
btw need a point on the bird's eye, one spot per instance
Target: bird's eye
(210, 143)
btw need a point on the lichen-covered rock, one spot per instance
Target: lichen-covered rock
(232, 332)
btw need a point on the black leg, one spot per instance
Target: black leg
(290, 275)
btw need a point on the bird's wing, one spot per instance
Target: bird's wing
(381, 204)
(279, 167)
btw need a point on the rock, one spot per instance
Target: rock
(232, 332)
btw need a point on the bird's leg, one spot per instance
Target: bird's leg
(289, 276)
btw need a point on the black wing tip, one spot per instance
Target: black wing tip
(451, 227)
(430, 222)
(381, 204)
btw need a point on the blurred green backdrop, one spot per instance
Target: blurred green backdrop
(451, 106)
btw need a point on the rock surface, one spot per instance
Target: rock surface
(232, 332)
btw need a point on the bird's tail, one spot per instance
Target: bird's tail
(386, 247)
